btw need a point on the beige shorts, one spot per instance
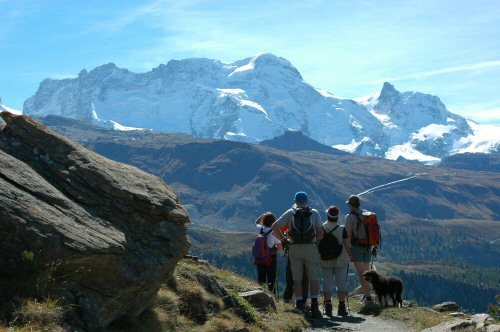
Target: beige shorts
(304, 256)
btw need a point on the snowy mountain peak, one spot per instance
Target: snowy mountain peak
(255, 99)
(266, 65)
(388, 90)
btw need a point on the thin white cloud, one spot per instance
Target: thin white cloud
(488, 112)
(490, 115)
(448, 70)
(159, 13)
(40, 75)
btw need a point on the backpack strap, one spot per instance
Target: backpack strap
(333, 230)
(354, 239)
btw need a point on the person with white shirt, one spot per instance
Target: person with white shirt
(267, 273)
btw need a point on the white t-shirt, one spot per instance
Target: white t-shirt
(271, 239)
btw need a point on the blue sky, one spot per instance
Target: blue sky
(448, 48)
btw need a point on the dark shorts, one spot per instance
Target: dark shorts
(361, 254)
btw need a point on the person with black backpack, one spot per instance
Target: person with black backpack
(305, 231)
(264, 251)
(334, 261)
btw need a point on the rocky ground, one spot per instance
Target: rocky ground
(357, 322)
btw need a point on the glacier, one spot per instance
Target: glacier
(259, 98)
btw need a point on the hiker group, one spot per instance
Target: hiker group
(313, 248)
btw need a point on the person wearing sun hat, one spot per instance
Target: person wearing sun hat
(305, 230)
(336, 268)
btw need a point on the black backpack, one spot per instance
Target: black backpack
(302, 230)
(329, 246)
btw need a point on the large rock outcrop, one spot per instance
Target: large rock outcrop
(107, 233)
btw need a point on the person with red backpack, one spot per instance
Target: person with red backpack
(264, 251)
(360, 238)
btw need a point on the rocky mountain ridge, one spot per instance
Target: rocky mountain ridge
(223, 183)
(257, 99)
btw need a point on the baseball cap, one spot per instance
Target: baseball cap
(300, 196)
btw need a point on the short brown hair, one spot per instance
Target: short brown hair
(268, 219)
(354, 201)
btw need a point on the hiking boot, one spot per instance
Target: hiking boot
(328, 309)
(342, 309)
(300, 306)
(315, 312)
(367, 299)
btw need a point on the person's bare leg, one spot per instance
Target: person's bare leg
(360, 268)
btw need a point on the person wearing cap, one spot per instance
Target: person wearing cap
(337, 267)
(360, 254)
(305, 229)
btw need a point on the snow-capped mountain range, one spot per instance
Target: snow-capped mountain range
(259, 98)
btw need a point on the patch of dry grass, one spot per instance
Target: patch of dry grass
(33, 315)
(227, 321)
(49, 312)
(245, 316)
(284, 319)
(418, 317)
(195, 302)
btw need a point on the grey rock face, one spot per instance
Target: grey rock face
(446, 306)
(110, 233)
(259, 299)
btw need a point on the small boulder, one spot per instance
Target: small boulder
(446, 306)
(457, 314)
(259, 299)
(454, 325)
(481, 320)
(493, 328)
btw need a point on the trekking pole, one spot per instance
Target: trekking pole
(373, 255)
(346, 287)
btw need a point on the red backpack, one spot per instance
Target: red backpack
(372, 229)
(261, 252)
